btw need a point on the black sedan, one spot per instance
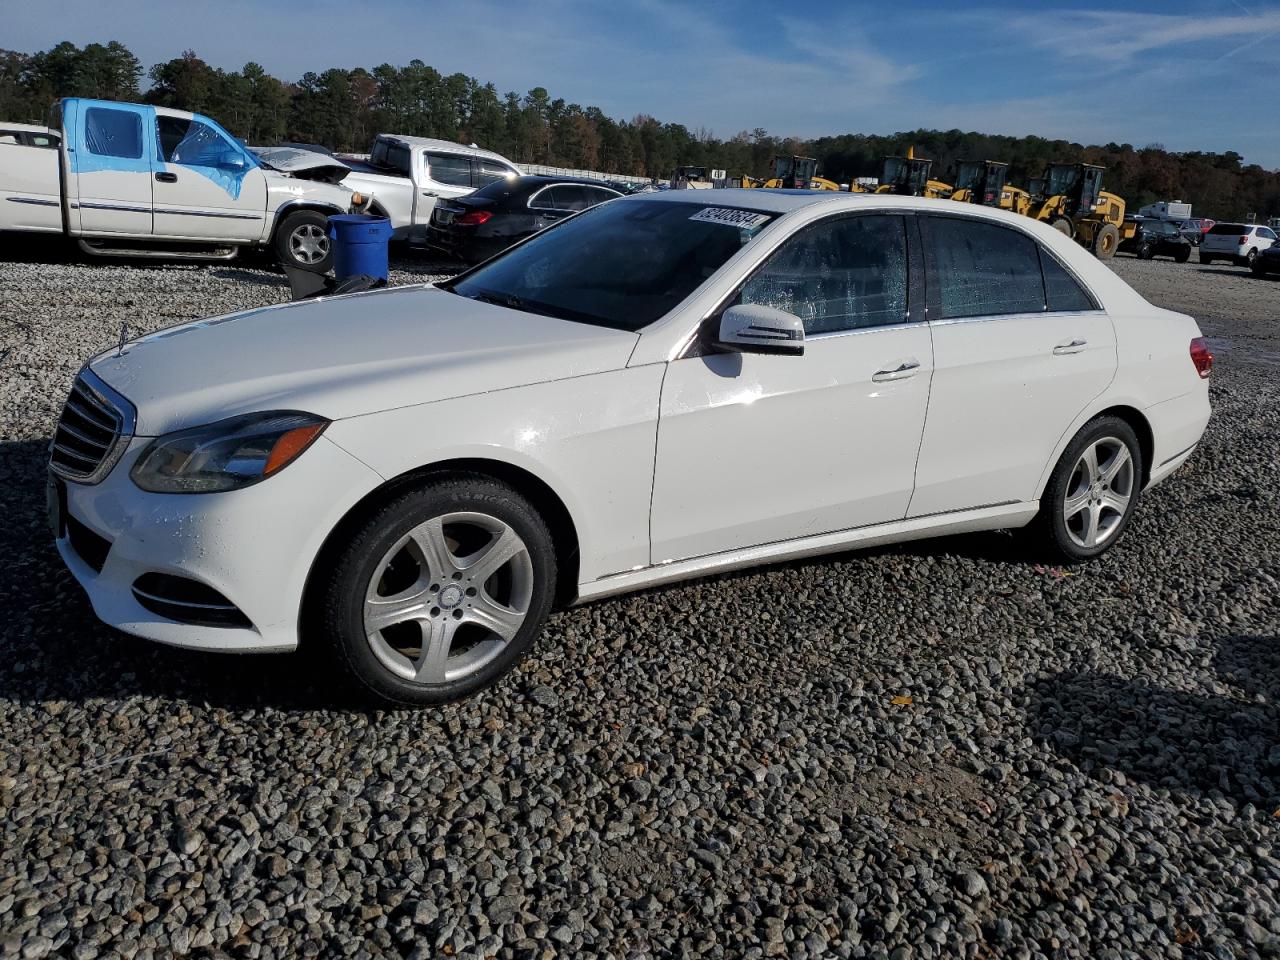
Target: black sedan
(484, 223)
(1267, 261)
(1157, 238)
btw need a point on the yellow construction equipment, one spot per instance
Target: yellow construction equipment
(1070, 198)
(909, 177)
(794, 173)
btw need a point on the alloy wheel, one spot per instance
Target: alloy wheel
(448, 597)
(309, 243)
(1099, 492)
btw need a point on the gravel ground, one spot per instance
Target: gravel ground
(940, 750)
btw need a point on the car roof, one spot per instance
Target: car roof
(25, 127)
(537, 179)
(443, 146)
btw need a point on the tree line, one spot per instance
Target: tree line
(343, 109)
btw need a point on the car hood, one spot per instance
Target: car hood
(346, 356)
(304, 164)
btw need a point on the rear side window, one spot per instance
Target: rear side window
(1062, 291)
(113, 133)
(843, 274)
(561, 197)
(453, 170)
(980, 269)
(596, 195)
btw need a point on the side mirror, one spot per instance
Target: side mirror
(754, 328)
(231, 161)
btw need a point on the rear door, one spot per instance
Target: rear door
(207, 187)
(1020, 348)
(109, 160)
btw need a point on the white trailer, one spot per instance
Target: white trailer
(1167, 210)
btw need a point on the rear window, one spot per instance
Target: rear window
(1234, 229)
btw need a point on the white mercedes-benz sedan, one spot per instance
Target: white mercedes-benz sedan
(658, 388)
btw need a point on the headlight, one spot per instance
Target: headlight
(225, 455)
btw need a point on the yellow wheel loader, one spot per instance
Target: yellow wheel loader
(980, 181)
(792, 173)
(1070, 198)
(909, 177)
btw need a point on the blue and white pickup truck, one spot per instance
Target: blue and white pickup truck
(129, 179)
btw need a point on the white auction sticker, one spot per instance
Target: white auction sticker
(746, 219)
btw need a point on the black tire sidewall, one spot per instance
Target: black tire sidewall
(1182, 256)
(1144, 251)
(342, 599)
(1051, 520)
(281, 240)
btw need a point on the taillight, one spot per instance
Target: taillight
(1243, 240)
(475, 218)
(1201, 357)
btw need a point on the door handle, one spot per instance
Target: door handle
(906, 368)
(1070, 346)
(167, 177)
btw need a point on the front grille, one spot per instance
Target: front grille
(92, 432)
(187, 601)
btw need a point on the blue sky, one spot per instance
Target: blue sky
(1190, 74)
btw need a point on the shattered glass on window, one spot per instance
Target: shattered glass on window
(840, 275)
(983, 269)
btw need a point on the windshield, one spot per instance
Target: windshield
(622, 264)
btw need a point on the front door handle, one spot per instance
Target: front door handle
(167, 177)
(905, 368)
(1070, 346)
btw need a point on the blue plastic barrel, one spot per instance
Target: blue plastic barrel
(359, 245)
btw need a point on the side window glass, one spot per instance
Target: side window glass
(569, 197)
(981, 269)
(451, 170)
(595, 195)
(192, 143)
(487, 172)
(840, 275)
(543, 199)
(1061, 288)
(113, 133)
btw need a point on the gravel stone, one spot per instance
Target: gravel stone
(1079, 763)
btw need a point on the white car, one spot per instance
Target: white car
(1238, 242)
(407, 175)
(658, 388)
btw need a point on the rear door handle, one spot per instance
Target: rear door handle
(905, 368)
(1070, 346)
(167, 177)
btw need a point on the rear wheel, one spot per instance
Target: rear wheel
(440, 592)
(1105, 241)
(302, 241)
(1183, 255)
(1251, 258)
(1092, 492)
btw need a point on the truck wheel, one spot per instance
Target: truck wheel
(302, 241)
(1105, 241)
(1063, 225)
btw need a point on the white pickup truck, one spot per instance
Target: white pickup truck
(129, 179)
(407, 175)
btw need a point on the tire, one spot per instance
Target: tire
(1250, 258)
(396, 551)
(1145, 251)
(1257, 268)
(302, 241)
(1064, 226)
(1205, 260)
(1183, 255)
(1105, 241)
(1098, 502)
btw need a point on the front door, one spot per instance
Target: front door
(110, 157)
(1020, 348)
(207, 186)
(755, 449)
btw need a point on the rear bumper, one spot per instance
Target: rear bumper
(1176, 426)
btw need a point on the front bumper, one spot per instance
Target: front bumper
(255, 546)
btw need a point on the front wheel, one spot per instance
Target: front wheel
(1145, 251)
(302, 241)
(1251, 258)
(1092, 491)
(439, 592)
